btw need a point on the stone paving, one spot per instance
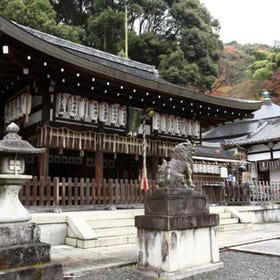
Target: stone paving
(237, 266)
(270, 248)
(80, 263)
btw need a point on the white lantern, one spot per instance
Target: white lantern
(113, 113)
(196, 129)
(93, 110)
(122, 116)
(6, 113)
(178, 124)
(103, 112)
(61, 104)
(26, 100)
(183, 127)
(83, 108)
(163, 127)
(73, 105)
(19, 112)
(156, 121)
(188, 127)
(170, 124)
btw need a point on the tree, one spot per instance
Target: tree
(155, 29)
(199, 41)
(72, 12)
(106, 30)
(177, 70)
(38, 14)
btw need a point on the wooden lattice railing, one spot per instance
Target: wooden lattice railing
(82, 192)
(87, 192)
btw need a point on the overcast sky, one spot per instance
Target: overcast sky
(247, 21)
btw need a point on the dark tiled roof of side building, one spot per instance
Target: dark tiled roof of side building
(213, 152)
(268, 131)
(243, 127)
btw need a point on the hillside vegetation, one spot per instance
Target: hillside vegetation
(246, 70)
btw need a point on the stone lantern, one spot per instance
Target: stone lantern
(22, 254)
(13, 150)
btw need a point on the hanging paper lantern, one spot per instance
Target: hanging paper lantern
(113, 113)
(73, 105)
(196, 126)
(83, 108)
(103, 112)
(61, 104)
(163, 127)
(170, 124)
(178, 124)
(19, 112)
(6, 113)
(122, 117)
(26, 100)
(93, 110)
(156, 121)
(183, 127)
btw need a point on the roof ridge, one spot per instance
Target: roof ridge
(249, 135)
(89, 50)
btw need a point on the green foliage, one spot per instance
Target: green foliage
(72, 12)
(147, 47)
(106, 30)
(175, 68)
(38, 14)
(159, 31)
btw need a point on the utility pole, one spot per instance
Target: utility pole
(126, 31)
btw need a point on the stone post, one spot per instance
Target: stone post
(177, 236)
(22, 255)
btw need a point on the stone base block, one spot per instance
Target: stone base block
(175, 251)
(23, 255)
(176, 222)
(49, 271)
(18, 233)
(182, 274)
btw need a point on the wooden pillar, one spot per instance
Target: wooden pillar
(46, 105)
(99, 166)
(44, 163)
(155, 161)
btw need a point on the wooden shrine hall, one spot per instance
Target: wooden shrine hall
(87, 107)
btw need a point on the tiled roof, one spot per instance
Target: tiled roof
(97, 56)
(267, 110)
(213, 152)
(113, 67)
(231, 130)
(269, 131)
(243, 127)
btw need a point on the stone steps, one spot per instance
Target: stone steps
(101, 242)
(112, 228)
(228, 221)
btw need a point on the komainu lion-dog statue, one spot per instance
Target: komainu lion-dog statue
(177, 173)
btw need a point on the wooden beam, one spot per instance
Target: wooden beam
(99, 167)
(44, 163)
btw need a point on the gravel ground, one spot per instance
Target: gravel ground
(238, 266)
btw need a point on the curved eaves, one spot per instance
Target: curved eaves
(18, 33)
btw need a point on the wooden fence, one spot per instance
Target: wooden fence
(82, 192)
(259, 192)
(88, 192)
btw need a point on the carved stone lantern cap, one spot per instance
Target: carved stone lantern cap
(12, 143)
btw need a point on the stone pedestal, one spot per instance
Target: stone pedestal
(177, 236)
(11, 209)
(23, 256)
